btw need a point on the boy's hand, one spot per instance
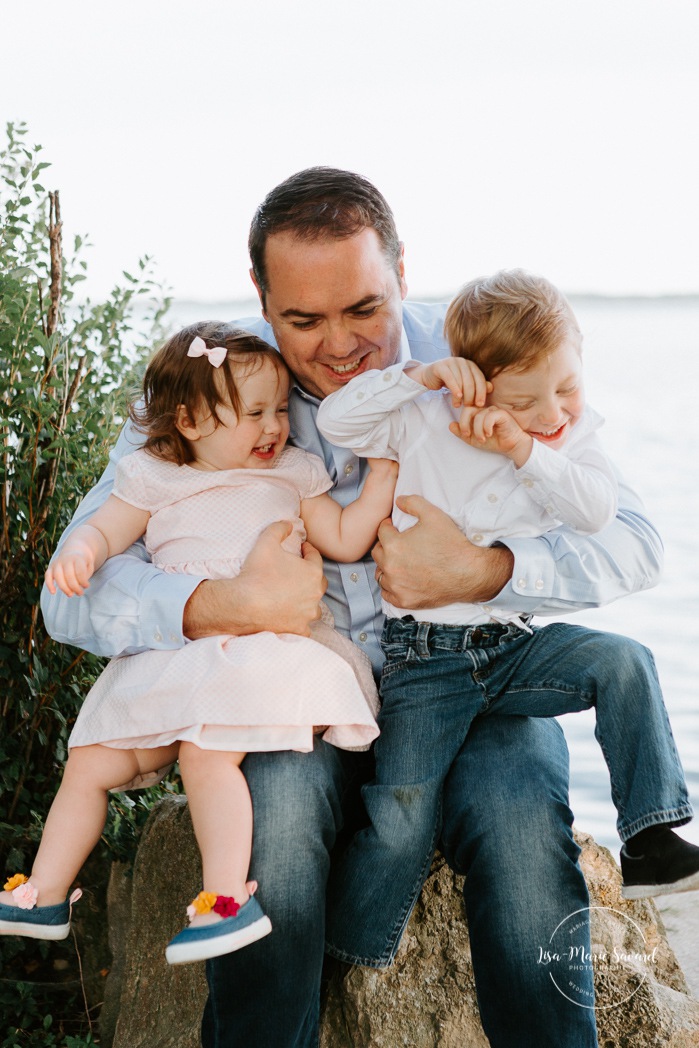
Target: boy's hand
(493, 429)
(70, 571)
(464, 380)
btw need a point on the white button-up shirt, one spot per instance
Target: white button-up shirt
(385, 414)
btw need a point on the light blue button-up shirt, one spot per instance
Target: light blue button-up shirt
(131, 606)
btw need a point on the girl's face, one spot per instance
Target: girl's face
(256, 438)
(548, 398)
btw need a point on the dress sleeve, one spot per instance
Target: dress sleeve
(130, 482)
(314, 478)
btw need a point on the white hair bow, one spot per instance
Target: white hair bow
(199, 348)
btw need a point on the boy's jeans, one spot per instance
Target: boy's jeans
(436, 681)
(506, 824)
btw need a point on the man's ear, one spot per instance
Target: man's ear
(185, 426)
(260, 293)
(401, 271)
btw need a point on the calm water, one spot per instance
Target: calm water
(642, 374)
(642, 367)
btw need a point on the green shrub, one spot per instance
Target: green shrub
(66, 368)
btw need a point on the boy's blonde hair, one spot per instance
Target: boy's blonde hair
(508, 320)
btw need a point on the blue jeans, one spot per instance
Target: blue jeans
(506, 823)
(437, 680)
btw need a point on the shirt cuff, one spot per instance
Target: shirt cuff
(163, 604)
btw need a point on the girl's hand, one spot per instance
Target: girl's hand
(464, 380)
(493, 429)
(70, 571)
(384, 470)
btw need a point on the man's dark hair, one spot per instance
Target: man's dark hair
(322, 202)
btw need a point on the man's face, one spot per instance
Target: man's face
(335, 307)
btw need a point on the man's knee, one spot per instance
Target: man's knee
(297, 806)
(507, 793)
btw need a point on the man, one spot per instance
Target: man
(329, 270)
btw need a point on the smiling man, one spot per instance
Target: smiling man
(333, 328)
(328, 266)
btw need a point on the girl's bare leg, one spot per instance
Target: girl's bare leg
(221, 809)
(78, 813)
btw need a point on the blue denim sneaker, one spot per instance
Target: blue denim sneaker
(225, 936)
(39, 922)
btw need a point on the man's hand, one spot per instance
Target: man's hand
(275, 591)
(433, 563)
(493, 429)
(464, 380)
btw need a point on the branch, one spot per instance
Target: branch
(55, 226)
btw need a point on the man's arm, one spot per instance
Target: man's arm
(130, 605)
(433, 564)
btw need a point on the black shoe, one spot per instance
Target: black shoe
(667, 865)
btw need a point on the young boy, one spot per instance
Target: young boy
(512, 389)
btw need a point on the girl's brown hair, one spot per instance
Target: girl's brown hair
(508, 320)
(173, 380)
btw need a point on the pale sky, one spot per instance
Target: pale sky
(558, 136)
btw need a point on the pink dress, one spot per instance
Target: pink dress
(265, 691)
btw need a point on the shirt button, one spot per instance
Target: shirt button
(362, 637)
(360, 395)
(158, 635)
(387, 377)
(550, 509)
(539, 584)
(487, 607)
(521, 583)
(354, 576)
(528, 483)
(349, 468)
(476, 538)
(492, 498)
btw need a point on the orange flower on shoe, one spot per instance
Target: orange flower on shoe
(14, 882)
(204, 903)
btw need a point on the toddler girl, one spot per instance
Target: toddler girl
(212, 474)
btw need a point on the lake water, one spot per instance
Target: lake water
(642, 374)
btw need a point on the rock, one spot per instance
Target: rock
(161, 1005)
(119, 909)
(427, 998)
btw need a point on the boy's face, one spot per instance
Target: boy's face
(548, 398)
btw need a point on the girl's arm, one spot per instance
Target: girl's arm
(109, 531)
(347, 534)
